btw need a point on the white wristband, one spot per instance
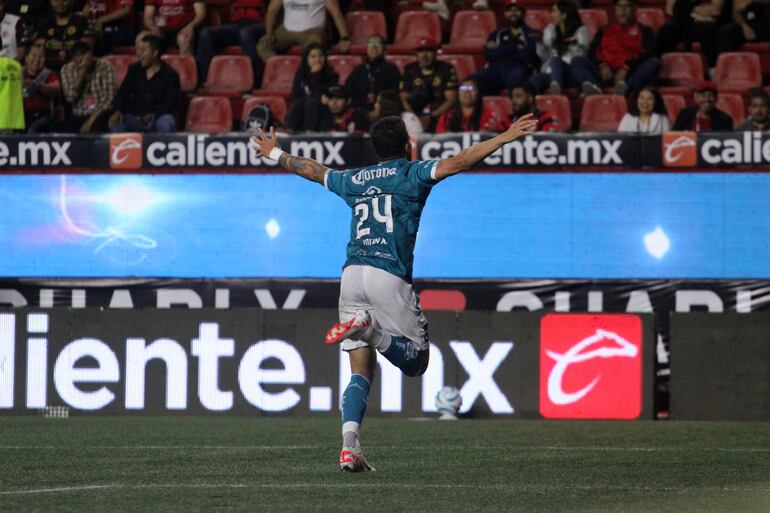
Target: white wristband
(275, 154)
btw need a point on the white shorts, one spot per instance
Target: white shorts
(391, 302)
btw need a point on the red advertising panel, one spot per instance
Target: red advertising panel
(590, 366)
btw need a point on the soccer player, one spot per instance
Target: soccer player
(378, 308)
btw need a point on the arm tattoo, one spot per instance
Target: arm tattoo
(306, 168)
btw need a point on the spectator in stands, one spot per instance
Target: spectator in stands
(341, 116)
(511, 53)
(389, 103)
(429, 86)
(175, 22)
(563, 40)
(41, 88)
(751, 24)
(89, 86)
(58, 33)
(368, 79)
(313, 78)
(11, 102)
(304, 22)
(691, 21)
(246, 25)
(12, 29)
(113, 22)
(469, 113)
(148, 97)
(704, 117)
(31, 12)
(523, 102)
(759, 113)
(622, 54)
(440, 7)
(647, 116)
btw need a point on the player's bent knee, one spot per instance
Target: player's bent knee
(419, 369)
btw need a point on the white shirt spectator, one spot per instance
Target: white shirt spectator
(301, 15)
(655, 125)
(546, 49)
(10, 27)
(412, 122)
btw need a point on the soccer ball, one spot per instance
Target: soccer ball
(448, 401)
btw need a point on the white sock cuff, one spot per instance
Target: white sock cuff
(350, 426)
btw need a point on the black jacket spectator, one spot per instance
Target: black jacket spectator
(367, 80)
(139, 96)
(308, 83)
(718, 120)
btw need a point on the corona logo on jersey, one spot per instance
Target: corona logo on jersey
(126, 151)
(679, 149)
(590, 366)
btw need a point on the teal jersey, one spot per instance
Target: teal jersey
(387, 201)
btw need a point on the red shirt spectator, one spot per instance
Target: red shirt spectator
(41, 86)
(98, 8)
(252, 10)
(173, 14)
(488, 122)
(546, 121)
(523, 102)
(620, 44)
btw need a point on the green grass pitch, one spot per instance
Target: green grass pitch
(290, 465)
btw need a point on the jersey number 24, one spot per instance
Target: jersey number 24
(361, 211)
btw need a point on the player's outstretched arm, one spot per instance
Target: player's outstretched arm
(306, 168)
(471, 156)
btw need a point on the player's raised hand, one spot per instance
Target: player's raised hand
(264, 144)
(526, 124)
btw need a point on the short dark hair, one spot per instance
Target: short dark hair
(526, 86)
(389, 137)
(154, 41)
(79, 48)
(761, 94)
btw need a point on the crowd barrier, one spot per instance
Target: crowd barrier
(260, 362)
(230, 152)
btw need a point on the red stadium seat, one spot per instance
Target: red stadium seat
(187, 69)
(732, 103)
(400, 60)
(277, 106)
(500, 105)
(653, 17)
(120, 64)
(361, 25)
(559, 106)
(209, 115)
(279, 75)
(229, 75)
(738, 71)
(602, 113)
(470, 30)
(464, 64)
(593, 19)
(344, 64)
(538, 19)
(674, 104)
(680, 72)
(411, 26)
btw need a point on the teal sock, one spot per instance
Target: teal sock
(354, 399)
(403, 354)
